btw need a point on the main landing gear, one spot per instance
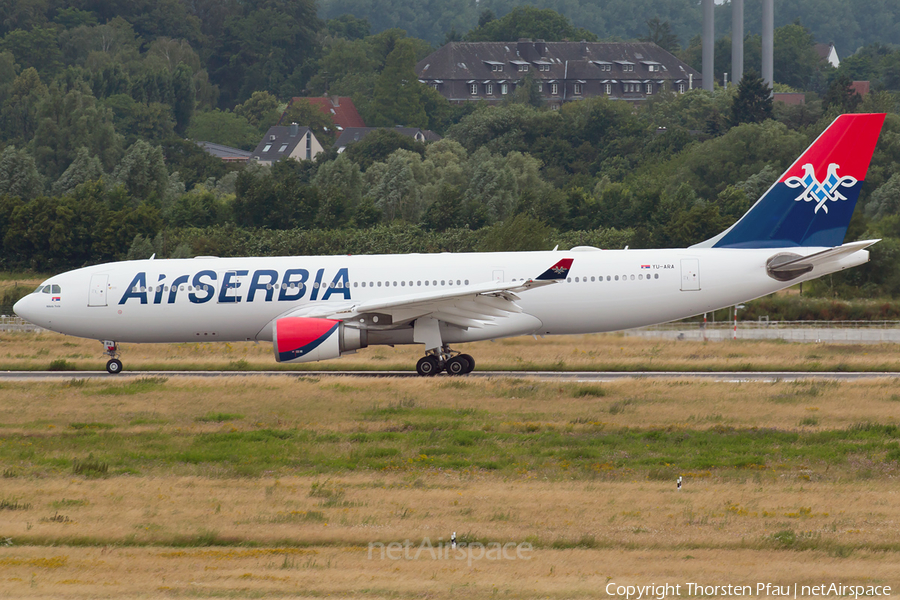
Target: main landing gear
(114, 366)
(443, 359)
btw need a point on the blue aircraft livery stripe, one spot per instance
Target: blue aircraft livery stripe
(779, 220)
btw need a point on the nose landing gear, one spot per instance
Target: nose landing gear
(114, 365)
(444, 359)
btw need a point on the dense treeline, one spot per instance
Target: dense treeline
(100, 105)
(850, 24)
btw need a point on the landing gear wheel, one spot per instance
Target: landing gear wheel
(428, 366)
(114, 366)
(470, 360)
(458, 365)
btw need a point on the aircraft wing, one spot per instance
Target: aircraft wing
(477, 305)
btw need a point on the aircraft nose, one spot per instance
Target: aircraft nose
(25, 308)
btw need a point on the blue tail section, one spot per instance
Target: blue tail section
(813, 201)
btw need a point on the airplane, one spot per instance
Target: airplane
(316, 308)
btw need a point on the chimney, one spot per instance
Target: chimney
(294, 130)
(541, 47)
(525, 48)
(709, 40)
(335, 101)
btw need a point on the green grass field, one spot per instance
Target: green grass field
(145, 487)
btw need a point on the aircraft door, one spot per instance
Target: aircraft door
(690, 274)
(99, 285)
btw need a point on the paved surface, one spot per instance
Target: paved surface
(574, 376)
(762, 331)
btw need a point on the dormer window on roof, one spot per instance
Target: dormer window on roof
(652, 66)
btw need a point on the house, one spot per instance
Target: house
(225, 153)
(861, 88)
(293, 141)
(354, 134)
(340, 108)
(827, 53)
(565, 71)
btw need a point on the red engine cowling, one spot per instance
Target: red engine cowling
(300, 339)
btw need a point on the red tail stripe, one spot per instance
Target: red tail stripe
(849, 142)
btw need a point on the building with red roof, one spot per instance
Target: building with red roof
(861, 88)
(340, 108)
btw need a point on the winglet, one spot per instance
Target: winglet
(557, 271)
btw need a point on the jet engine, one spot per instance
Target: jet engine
(302, 339)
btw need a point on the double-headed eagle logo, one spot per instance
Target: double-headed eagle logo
(820, 192)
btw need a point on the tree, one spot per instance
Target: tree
(520, 233)
(348, 27)
(36, 48)
(660, 33)
(223, 127)
(184, 97)
(84, 168)
(528, 91)
(395, 189)
(260, 110)
(275, 197)
(398, 93)
(19, 114)
(379, 145)
(142, 172)
(340, 185)
(19, 175)
(138, 120)
(795, 60)
(753, 103)
(493, 186)
(529, 22)
(265, 47)
(841, 94)
(69, 120)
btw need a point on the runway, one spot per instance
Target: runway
(569, 376)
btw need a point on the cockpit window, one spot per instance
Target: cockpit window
(55, 289)
(46, 289)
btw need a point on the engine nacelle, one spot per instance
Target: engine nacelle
(301, 339)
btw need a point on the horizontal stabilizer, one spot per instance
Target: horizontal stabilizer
(786, 266)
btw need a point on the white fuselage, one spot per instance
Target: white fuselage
(606, 290)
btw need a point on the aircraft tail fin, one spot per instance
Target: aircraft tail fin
(812, 202)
